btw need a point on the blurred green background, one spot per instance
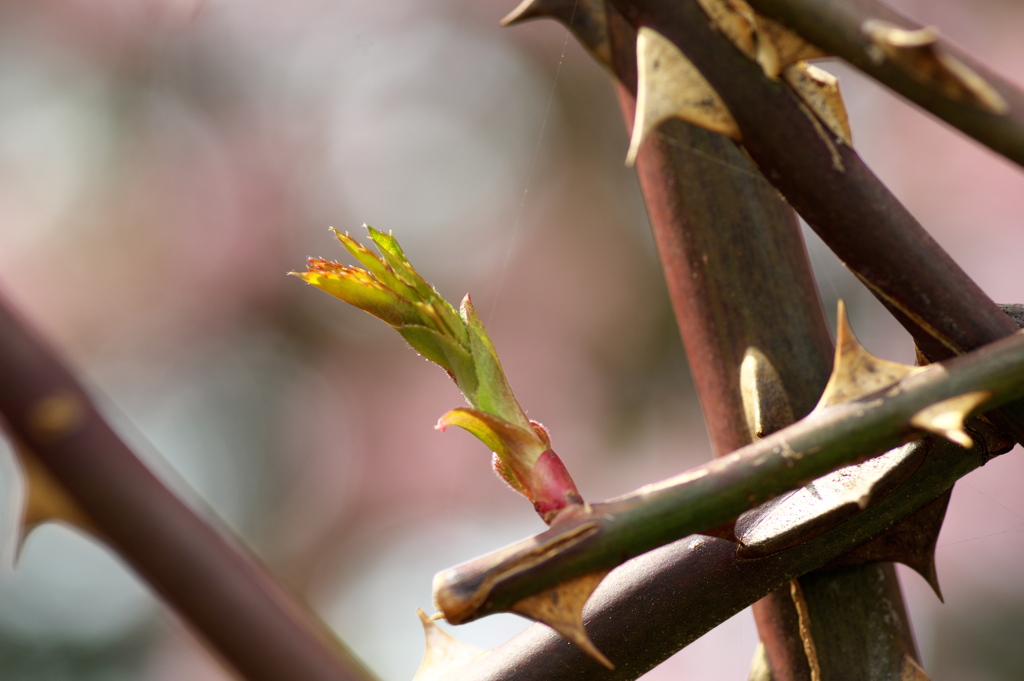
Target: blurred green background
(164, 164)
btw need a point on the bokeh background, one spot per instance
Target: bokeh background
(165, 163)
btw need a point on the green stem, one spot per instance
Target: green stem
(712, 494)
(650, 607)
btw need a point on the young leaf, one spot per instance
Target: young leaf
(390, 289)
(357, 288)
(494, 395)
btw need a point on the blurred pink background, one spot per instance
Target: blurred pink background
(165, 163)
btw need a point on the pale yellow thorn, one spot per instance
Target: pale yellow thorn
(765, 403)
(527, 9)
(856, 372)
(767, 42)
(737, 22)
(760, 667)
(561, 608)
(778, 47)
(819, 90)
(946, 418)
(920, 54)
(670, 86)
(444, 654)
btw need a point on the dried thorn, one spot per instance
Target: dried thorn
(767, 42)
(920, 54)
(44, 501)
(823, 503)
(946, 418)
(443, 653)
(587, 19)
(819, 90)
(737, 22)
(856, 372)
(670, 86)
(912, 542)
(923, 531)
(765, 402)
(910, 670)
(930, 573)
(561, 608)
(535, 9)
(779, 48)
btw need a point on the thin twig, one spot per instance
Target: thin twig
(656, 604)
(707, 496)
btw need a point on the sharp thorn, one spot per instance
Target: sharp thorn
(443, 653)
(921, 55)
(43, 500)
(561, 608)
(856, 372)
(527, 9)
(946, 418)
(765, 403)
(670, 86)
(819, 90)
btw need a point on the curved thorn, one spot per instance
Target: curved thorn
(443, 653)
(670, 86)
(856, 372)
(531, 9)
(561, 608)
(765, 403)
(920, 54)
(819, 90)
(44, 501)
(587, 19)
(946, 418)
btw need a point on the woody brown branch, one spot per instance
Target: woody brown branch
(207, 576)
(837, 27)
(651, 607)
(839, 197)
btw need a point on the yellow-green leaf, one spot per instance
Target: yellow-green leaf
(389, 249)
(518, 448)
(443, 351)
(381, 270)
(494, 395)
(357, 288)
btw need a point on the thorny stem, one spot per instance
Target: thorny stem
(839, 197)
(721, 231)
(836, 26)
(709, 495)
(217, 586)
(725, 237)
(652, 606)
